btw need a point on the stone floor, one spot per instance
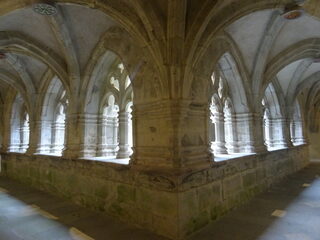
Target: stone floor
(288, 211)
(29, 214)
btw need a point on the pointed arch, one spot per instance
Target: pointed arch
(53, 112)
(223, 54)
(19, 126)
(305, 49)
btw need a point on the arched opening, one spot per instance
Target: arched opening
(108, 118)
(229, 112)
(53, 117)
(19, 134)
(273, 120)
(108, 145)
(115, 134)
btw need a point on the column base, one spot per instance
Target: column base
(106, 150)
(219, 148)
(124, 151)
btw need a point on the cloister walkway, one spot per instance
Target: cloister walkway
(290, 210)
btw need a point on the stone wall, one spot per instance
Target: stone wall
(173, 205)
(206, 195)
(314, 146)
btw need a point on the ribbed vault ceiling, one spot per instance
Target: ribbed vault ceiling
(262, 37)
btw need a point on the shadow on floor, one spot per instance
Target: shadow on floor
(28, 214)
(294, 202)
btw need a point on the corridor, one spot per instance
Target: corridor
(288, 211)
(28, 214)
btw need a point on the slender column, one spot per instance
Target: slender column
(24, 138)
(250, 133)
(40, 140)
(278, 138)
(14, 145)
(108, 136)
(268, 128)
(58, 130)
(219, 144)
(73, 135)
(211, 132)
(231, 134)
(297, 137)
(124, 147)
(89, 141)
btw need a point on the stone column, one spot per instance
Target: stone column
(89, 141)
(211, 131)
(171, 135)
(34, 138)
(297, 137)
(231, 134)
(14, 141)
(58, 130)
(250, 133)
(43, 140)
(219, 143)
(124, 147)
(278, 129)
(268, 129)
(108, 136)
(24, 138)
(74, 136)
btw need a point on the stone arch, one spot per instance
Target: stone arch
(223, 54)
(117, 44)
(200, 39)
(274, 119)
(106, 74)
(229, 69)
(19, 126)
(305, 49)
(26, 45)
(272, 102)
(53, 111)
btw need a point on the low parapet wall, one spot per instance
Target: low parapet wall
(172, 205)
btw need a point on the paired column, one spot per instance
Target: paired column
(108, 136)
(57, 141)
(219, 145)
(24, 138)
(90, 125)
(74, 136)
(231, 133)
(276, 136)
(14, 140)
(124, 132)
(250, 133)
(297, 132)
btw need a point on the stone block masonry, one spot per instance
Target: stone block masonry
(170, 204)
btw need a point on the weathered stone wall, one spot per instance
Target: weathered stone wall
(172, 205)
(314, 146)
(145, 200)
(206, 195)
